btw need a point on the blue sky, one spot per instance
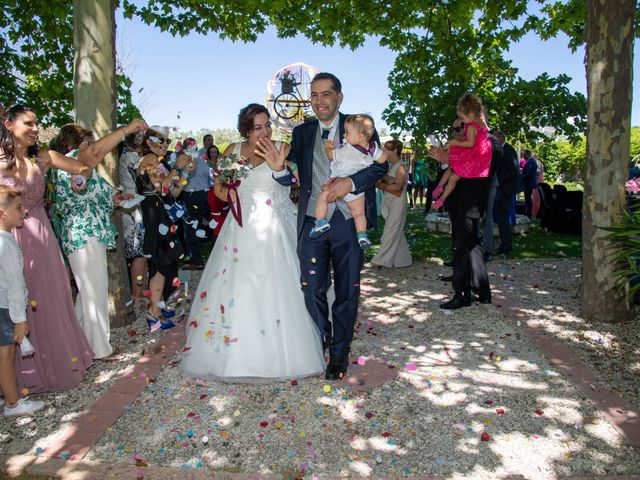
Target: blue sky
(208, 80)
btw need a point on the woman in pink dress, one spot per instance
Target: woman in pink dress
(62, 353)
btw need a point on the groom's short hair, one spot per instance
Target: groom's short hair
(337, 86)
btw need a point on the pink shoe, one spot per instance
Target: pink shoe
(437, 205)
(437, 192)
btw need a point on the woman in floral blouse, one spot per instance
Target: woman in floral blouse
(85, 234)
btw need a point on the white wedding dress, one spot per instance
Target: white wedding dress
(248, 320)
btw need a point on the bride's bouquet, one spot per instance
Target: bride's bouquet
(230, 171)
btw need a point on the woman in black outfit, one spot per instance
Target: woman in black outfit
(161, 184)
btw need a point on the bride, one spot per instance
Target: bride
(248, 320)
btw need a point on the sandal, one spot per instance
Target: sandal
(153, 322)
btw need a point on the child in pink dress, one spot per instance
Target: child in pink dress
(470, 158)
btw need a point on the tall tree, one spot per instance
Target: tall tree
(36, 60)
(94, 35)
(609, 35)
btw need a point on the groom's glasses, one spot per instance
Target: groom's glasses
(458, 129)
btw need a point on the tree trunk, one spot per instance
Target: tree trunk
(610, 32)
(94, 32)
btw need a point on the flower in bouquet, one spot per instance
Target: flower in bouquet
(230, 171)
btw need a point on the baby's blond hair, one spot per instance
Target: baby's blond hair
(363, 123)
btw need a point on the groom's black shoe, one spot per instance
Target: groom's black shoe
(458, 301)
(337, 368)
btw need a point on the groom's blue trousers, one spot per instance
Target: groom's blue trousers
(339, 245)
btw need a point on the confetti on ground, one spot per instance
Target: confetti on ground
(425, 423)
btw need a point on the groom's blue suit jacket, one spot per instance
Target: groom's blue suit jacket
(302, 144)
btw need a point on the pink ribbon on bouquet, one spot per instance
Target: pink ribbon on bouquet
(236, 208)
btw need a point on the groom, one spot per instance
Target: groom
(338, 246)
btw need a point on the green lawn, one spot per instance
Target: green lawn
(426, 244)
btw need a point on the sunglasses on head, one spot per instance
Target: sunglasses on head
(159, 140)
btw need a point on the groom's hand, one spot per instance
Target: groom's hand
(439, 154)
(337, 187)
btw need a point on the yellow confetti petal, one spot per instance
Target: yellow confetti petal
(33, 303)
(74, 359)
(327, 388)
(25, 391)
(236, 413)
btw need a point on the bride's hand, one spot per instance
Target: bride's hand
(274, 157)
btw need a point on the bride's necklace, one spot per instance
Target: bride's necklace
(251, 157)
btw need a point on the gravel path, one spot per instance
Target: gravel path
(462, 376)
(28, 433)
(550, 291)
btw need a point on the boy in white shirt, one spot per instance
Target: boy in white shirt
(357, 153)
(13, 303)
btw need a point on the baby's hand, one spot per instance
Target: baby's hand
(329, 146)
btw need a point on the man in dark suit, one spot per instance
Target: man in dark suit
(338, 246)
(529, 180)
(509, 184)
(466, 206)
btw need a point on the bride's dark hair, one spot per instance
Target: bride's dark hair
(6, 137)
(246, 116)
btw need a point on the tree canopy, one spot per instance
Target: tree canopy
(444, 49)
(36, 56)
